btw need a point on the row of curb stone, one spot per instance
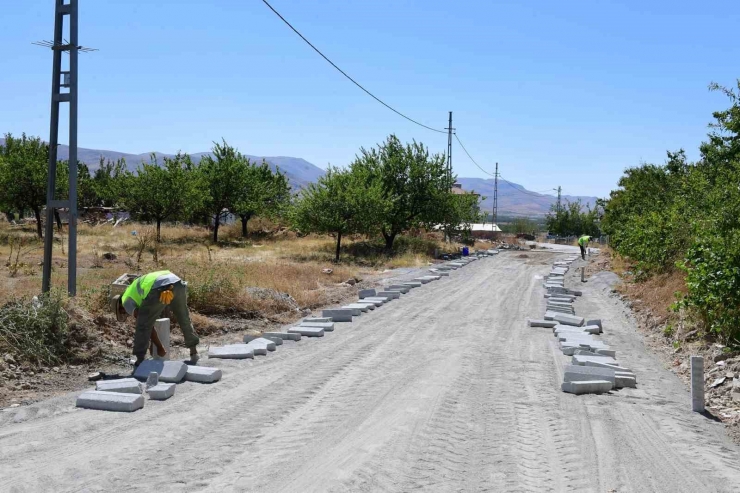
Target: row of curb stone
(593, 368)
(162, 376)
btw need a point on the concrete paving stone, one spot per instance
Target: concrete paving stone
(110, 401)
(369, 305)
(376, 303)
(338, 315)
(286, 336)
(585, 352)
(257, 350)
(569, 319)
(317, 319)
(433, 277)
(327, 326)
(560, 309)
(423, 280)
(625, 374)
(541, 323)
(596, 321)
(400, 287)
(231, 351)
(390, 294)
(122, 385)
(581, 360)
(307, 331)
(366, 293)
(440, 273)
(277, 340)
(162, 391)
(587, 387)
(606, 365)
(606, 352)
(549, 315)
(622, 381)
(270, 345)
(168, 371)
(444, 267)
(203, 374)
(584, 377)
(412, 284)
(356, 310)
(564, 304)
(382, 299)
(601, 373)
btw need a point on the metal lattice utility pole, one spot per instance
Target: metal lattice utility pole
(559, 190)
(495, 200)
(449, 150)
(62, 79)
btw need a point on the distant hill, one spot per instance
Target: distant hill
(299, 171)
(516, 200)
(513, 199)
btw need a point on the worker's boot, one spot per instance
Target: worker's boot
(194, 357)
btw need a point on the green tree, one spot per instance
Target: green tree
(23, 174)
(160, 193)
(107, 182)
(413, 186)
(571, 219)
(263, 193)
(224, 177)
(458, 213)
(339, 203)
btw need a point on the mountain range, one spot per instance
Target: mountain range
(513, 199)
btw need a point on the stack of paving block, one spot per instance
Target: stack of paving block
(127, 394)
(594, 367)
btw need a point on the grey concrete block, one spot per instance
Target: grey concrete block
(203, 374)
(267, 343)
(587, 377)
(606, 365)
(317, 319)
(357, 308)
(110, 401)
(307, 331)
(284, 335)
(366, 293)
(697, 384)
(277, 340)
(123, 385)
(622, 381)
(592, 329)
(596, 321)
(441, 274)
(550, 315)
(581, 360)
(607, 373)
(371, 305)
(412, 284)
(400, 287)
(433, 277)
(168, 371)
(625, 374)
(606, 352)
(566, 319)
(375, 302)
(162, 391)
(338, 315)
(232, 351)
(587, 387)
(327, 326)
(542, 323)
(390, 294)
(423, 280)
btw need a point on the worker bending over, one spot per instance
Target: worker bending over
(583, 243)
(146, 299)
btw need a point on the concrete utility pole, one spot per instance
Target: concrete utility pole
(59, 79)
(449, 150)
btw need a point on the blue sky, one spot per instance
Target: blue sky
(559, 93)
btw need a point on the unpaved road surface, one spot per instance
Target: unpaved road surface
(443, 390)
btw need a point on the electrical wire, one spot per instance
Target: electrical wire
(471, 157)
(347, 76)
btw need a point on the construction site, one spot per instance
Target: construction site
(211, 320)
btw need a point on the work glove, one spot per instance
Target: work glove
(166, 296)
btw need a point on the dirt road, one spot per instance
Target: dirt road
(443, 390)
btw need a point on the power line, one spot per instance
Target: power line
(471, 157)
(345, 73)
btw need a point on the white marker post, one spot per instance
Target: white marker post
(697, 384)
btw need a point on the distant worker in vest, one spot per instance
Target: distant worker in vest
(145, 299)
(583, 243)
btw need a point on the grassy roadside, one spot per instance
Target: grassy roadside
(674, 336)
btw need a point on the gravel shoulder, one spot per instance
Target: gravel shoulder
(446, 389)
